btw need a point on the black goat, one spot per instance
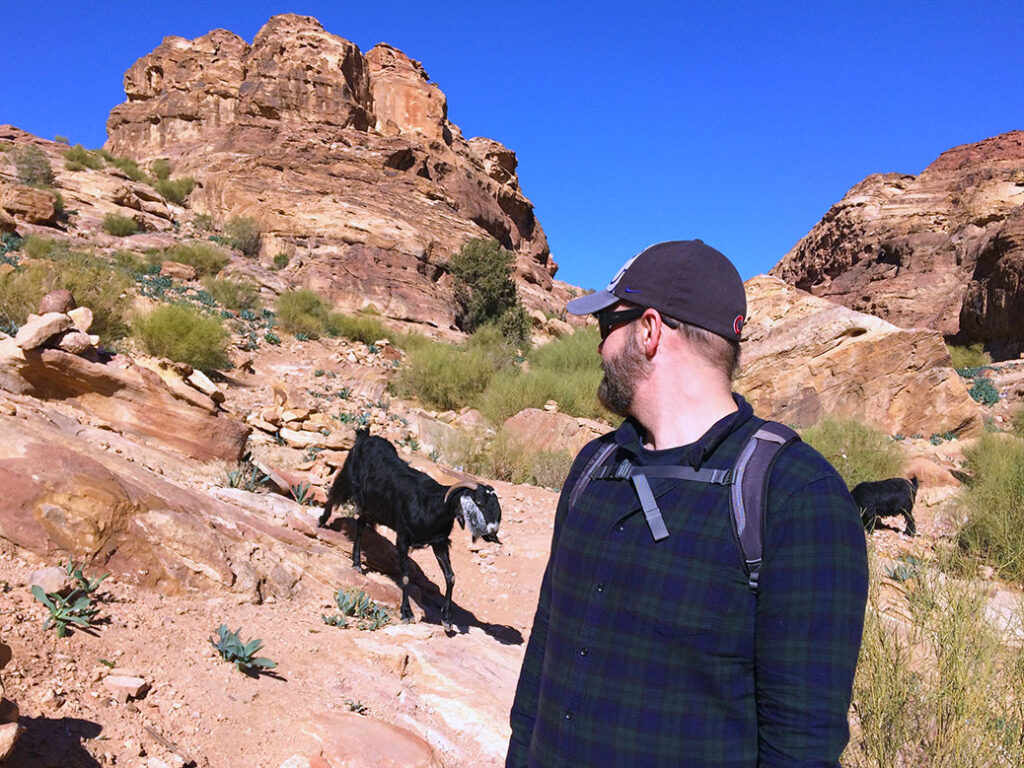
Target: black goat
(421, 511)
(887, 498)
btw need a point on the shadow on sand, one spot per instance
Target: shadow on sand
(54, 743)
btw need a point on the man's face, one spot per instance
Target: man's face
(623, 370)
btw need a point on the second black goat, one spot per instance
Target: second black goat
(887, 498)
(387, 491)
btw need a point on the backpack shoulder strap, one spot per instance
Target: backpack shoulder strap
(592, 465)
(749, 492)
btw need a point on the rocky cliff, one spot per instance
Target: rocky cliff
(943, 250)
(348, 163)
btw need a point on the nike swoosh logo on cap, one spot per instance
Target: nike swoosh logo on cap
(632, 290)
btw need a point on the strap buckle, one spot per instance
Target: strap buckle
(622, 470)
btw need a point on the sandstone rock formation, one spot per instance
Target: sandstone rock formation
(553, 431)
(806, 357)
(347, 162)
(942, 250)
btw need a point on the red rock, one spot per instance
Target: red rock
(178, 271)
(552, 431)
(59, 300)
(51, 579)
(348, 740)
(36, 206)
(39, 329)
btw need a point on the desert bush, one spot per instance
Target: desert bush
(485, 290)
(281, 260)
(231, 648)
(244, 234)
(857, 451)
(184, 335)
(32, 165)
(973, 356)
(37, 246)
(161, 169)
(994, 502)
(203, 222)
(939, 684)
(120, 226)
(128, 167)
(80, 156)
(206, 258)
(362, 327)
(505, 458)
(444, 376)
(175, 190)
(302, 311)
(90, 280)
(232, 294)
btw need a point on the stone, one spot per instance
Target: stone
(7, 224)
(296, 761)
(9, 735)
(59, 300)
(346, 159)
(75, 342)
(52, 579)
(202, 382)
(301, 438)
(805, 358)
(5, 654)
(9, 711)
(81, 318)
(178, 271)
(348, 740)
(552, 431)
(942, 250)
(124, 687)
(30, 204)
(39, 329)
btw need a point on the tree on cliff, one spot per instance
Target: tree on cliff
(485, 291)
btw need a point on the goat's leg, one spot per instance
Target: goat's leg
(403, 568)
(360, 524)
(908, 516)
(444, 560)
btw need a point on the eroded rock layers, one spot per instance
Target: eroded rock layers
(348, 163)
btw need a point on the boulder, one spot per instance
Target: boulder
(75, 342)
(30, 204)
(805, 358)
(552, 431)
(178, 271)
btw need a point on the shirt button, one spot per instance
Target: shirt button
(600, 587)
(584, 651)
(620, 527)
(568, 714)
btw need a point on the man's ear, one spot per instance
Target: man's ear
(651, 330)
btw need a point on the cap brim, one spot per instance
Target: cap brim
(591, 303)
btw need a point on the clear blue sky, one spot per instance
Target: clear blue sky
(739, 123)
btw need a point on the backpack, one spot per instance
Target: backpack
(748, 495)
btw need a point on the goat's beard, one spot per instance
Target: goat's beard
(622, 374)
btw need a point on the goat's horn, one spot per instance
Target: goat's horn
(461, 484)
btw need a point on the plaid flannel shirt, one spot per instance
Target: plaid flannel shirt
(658, 654)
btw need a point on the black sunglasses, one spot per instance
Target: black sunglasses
(609, 321)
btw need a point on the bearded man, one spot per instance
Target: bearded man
(653, 643)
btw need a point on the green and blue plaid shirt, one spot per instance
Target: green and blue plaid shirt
(657, 654)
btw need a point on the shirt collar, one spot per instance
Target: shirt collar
(629, 435)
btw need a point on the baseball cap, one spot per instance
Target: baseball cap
(684, 279)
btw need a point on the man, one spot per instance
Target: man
(654, 650)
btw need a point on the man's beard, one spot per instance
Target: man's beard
(621, 376)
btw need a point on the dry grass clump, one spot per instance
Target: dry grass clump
(183, 334)
(502, 457)
(857, 451)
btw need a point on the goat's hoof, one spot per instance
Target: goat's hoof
(447, 627)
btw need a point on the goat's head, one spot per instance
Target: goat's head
(475, 504)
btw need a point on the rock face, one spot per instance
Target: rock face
(805, 357)
(347, 162)
(942, 250)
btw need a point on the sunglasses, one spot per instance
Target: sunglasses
(609, 321)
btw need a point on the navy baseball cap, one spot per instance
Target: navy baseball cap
(684, 279)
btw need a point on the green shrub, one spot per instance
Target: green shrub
(1017, 422)
(973, 356)
(281, 260)
(231, 648)
(232, 294)
(994, 501)
(984, 391)
(857, 451)
(58, 139)
(936, 684)
(32, 165)
(355, 604)
(302, 311)
(161, 169)
(120, 226)
(444, 376)
(185, 335)
(83, 158)
(206, 258)
(203, 222)
(506, 458)
(361, 327)
(128, 167)
(175, 190)
(37, 246)
(484, 288)
(244, 234)
(90, 280)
